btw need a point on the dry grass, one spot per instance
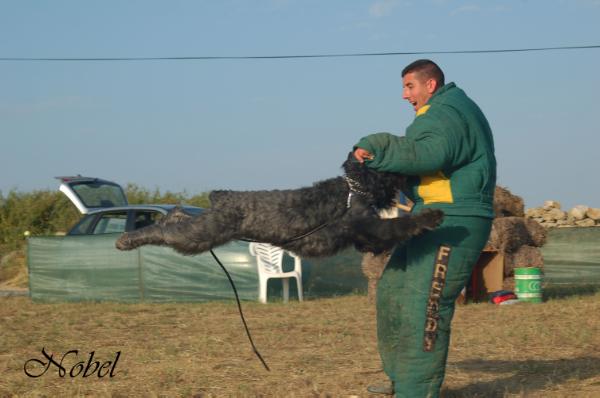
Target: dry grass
(13, 270)
(324, 347)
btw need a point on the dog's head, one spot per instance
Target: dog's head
(379, 188)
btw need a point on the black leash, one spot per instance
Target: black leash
(237, 298)
(353, 189)
(312, 231)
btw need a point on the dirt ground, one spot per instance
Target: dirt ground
(317, 348)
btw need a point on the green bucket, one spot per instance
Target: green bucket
(528, 284)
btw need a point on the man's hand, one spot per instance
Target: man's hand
(362, 154)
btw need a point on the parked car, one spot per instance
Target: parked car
(105, 208)
(85, 265)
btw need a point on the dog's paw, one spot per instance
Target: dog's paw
(124, 243)
(430, 218)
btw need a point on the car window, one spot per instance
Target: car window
(194, 211)
(111, 223)
(82, 226)
(143, 218)
(99, 194)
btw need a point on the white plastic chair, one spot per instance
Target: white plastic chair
(269, 259)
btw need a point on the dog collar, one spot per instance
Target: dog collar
(354, 188)
(349, 201)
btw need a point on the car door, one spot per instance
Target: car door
(144, 218)
(110, 223)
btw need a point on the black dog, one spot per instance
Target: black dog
(311, 222)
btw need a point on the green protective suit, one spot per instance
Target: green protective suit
(448, 152)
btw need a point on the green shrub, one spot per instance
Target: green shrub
(137, 195)
(39, 212)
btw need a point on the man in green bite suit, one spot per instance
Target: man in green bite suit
(448, 154)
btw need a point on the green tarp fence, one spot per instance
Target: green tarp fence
(572, 256)
(90, 268)
(74, 268)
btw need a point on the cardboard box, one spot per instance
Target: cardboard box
(487, 276)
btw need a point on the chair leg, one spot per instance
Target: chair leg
(262, 290)
(286, 290)
(299, 284)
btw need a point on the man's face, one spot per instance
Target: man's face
(417, 90)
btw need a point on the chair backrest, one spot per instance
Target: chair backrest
(268, 257)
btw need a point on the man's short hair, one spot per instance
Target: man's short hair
(426, 69)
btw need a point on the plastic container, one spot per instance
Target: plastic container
(528, 284)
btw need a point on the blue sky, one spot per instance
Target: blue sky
(267, 124)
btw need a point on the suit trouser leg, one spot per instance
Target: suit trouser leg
(415, 302)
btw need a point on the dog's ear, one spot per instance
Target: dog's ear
(351, 164)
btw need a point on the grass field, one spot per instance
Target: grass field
(320, 348)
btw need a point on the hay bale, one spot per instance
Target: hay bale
(508, 283)
(372, 267)
(524, 256)
(506, 204)
(510, 233)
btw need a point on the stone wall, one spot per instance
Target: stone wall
(550, 215)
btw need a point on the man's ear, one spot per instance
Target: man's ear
(431, 85)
